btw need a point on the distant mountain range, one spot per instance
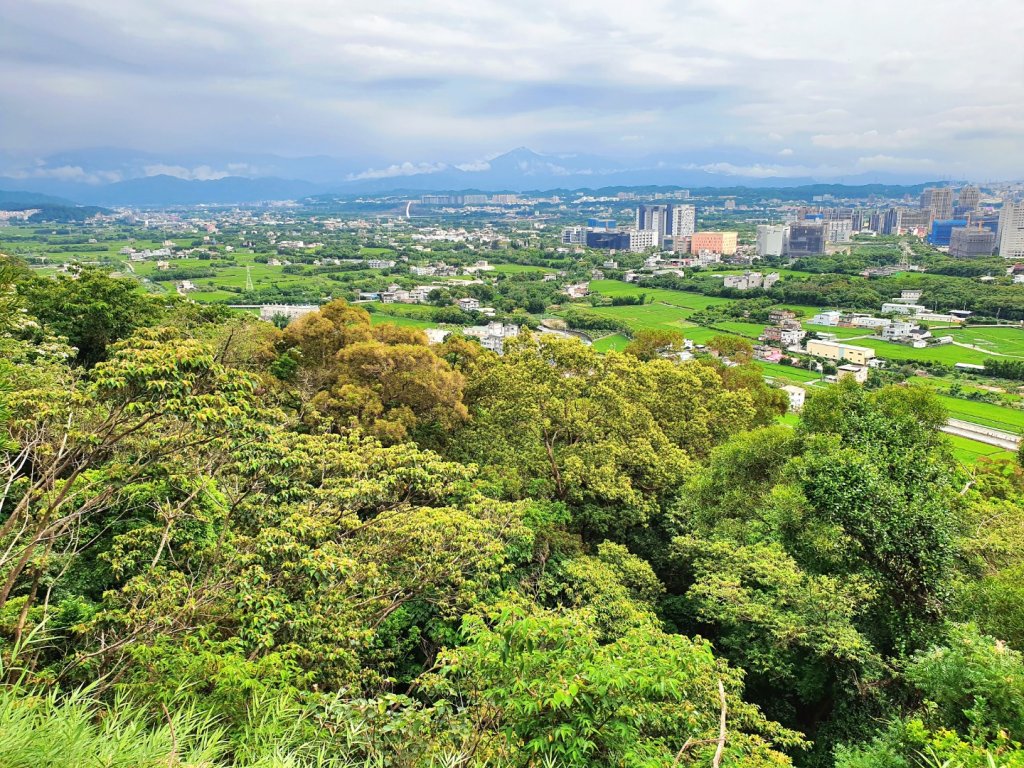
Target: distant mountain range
(114, 177)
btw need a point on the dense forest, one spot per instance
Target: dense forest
(228, 544)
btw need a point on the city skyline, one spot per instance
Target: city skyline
(393, 90)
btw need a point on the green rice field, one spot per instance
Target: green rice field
(1003, 340)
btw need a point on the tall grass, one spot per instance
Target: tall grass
(51, 730)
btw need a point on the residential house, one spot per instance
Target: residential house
(797, 395)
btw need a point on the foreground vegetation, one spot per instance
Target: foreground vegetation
(222, 543)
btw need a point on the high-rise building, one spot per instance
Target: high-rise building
(968, 199)
(1011, 230)
(892, 222)
(654, 218)
(771, 239)
(938, 200)
(971, 242)
(806, 238)
(838, 230)
(684, 220)
(574, 236)
(667, 220)
(917, 220)
(942, 230)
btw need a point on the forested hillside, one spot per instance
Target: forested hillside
(226, 544)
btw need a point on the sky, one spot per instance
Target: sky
(746, 87)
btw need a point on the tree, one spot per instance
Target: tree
(608, 435)
(537, 688)
(652, 344)
(92, 310)
(393, 390)
(735, 348)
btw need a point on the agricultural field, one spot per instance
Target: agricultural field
(685, 299)
(942, 386)
(1004, 340)
(380, 319)
(985, 414)
(969, 451)
(646, 316)
(948, 354)
(840, 333)
(788, 372)
(613, 343)
(740, 328)
(518, 269)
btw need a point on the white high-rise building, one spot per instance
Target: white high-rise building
(771, 239)
(684, 220)
(838, 230)
(1011, 230)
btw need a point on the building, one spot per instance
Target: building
(493, 335)
(574, 236)
(942, 230)
(834, 350)
(771, 240)
(892, 222)
(1011, 230)
(797, 395)
(642, 239)
(655, 218)
(858, 373)
(750, 280)
(684, 220)
(607, 239)
(468, 304)
(938, 200)
(838, 230)
(899, 308)
(971, 242)
(723, 243)
(826, 318)
(436, 335)
(380, 263)
(290, 311)
(968, 199)
(806, 238)
(917, 222)
(577, 291)
(898, 331)
(787, 334)
(777, 316)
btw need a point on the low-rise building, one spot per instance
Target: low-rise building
(468, 304)
(858, 373)
(833, 350)
(577, 290)
(493, 335)
(797, 395)
(290, 311)
(827, 318)
(777, 316)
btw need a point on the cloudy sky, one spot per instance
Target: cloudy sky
(787, 87)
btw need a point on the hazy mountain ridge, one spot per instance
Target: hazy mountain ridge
(80, 177)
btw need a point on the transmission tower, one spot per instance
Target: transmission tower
(248, 277)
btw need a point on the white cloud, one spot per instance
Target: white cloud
(198, 173)
(403, 169)
(464, 78)
(73, 173)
